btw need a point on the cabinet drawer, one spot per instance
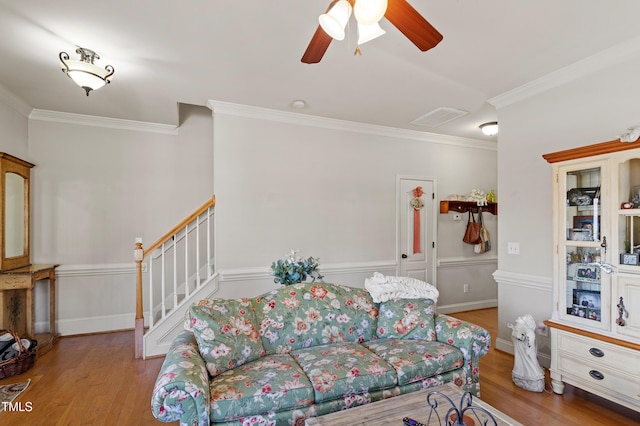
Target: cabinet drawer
(9, 282)
(598, 378)
(597, 352)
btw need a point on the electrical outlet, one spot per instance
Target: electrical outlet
(466, 288)
(513, 248)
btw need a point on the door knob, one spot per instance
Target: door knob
(404, 256)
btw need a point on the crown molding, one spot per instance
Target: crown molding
(219, 107)
(607, 58)
(106, 122)
(14, 102)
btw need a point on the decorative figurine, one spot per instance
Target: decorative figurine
(622, 312)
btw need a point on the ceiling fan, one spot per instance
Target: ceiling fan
(400, 13)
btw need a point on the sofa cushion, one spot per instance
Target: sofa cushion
(343, 369)
(226, 333)
(307, 314)
(416, 360)
(406, 318)
(271, 383)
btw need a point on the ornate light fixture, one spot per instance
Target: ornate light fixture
(367, 13)
(84, 72)
(490, 128)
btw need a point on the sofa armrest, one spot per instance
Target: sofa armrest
(473, 340)
(181, 391)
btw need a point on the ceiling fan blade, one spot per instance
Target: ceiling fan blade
(410, 23)
(317, 46)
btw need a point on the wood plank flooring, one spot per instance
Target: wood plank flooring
(574, 407)
(94, 380)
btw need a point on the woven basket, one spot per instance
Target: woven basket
(19, 363)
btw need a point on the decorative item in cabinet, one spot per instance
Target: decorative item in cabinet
(582, 196)
(629, 242)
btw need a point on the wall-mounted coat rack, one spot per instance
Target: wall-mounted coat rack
(464, 206)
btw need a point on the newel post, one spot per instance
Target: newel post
(138, 254)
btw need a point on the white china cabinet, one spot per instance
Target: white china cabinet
(595, 325)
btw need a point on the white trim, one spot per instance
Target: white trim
(249, 274)
(95, 270)
(219, 107)
(455, 262)
(607, 58)
(12, 101)
(97, 324)
(523, 280)
(467, 306)
(106, 122)
(505, 345)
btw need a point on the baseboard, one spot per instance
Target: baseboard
(467, 306)
(507, 346)
(88, 325)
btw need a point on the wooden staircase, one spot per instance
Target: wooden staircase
(173, 272)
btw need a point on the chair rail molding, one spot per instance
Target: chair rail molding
(535, 282)
(80, 270)
(248, 274)
(456, 262)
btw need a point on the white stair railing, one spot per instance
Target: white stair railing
(177, 264)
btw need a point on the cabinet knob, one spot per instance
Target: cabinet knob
(596, 374)
(596, 352)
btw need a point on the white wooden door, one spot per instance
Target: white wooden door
(417, 229)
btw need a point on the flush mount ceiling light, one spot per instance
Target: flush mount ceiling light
(490, 128)
(84, 72)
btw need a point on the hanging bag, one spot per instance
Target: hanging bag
(485, 243)
(472, 233)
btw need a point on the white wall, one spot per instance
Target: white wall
(14, 127)
(94, 190)
(328, 189)
(594, 108)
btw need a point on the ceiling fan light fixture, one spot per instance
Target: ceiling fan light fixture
(490, 128)
(84, 72)
(369, 12)
(369, 32)
(335, 20)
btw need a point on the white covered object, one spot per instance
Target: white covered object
(527, 372)
(384, 288)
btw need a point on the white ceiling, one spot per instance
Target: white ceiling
(248, 52)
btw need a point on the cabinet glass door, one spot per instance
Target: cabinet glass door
(583, 244)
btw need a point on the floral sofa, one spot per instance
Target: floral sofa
(306, 350)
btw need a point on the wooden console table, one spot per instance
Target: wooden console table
(17, 307)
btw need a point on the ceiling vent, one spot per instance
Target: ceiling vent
(439, 116)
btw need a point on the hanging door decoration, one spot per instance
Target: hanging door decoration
(417, 203)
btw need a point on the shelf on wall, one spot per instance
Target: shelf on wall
(464, 206)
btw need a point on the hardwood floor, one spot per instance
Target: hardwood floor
(575, 407)
(94, 380)
(88, 380)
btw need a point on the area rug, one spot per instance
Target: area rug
(10, 392)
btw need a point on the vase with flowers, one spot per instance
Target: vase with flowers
(294, 269)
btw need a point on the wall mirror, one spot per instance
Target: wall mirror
(15, 217)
